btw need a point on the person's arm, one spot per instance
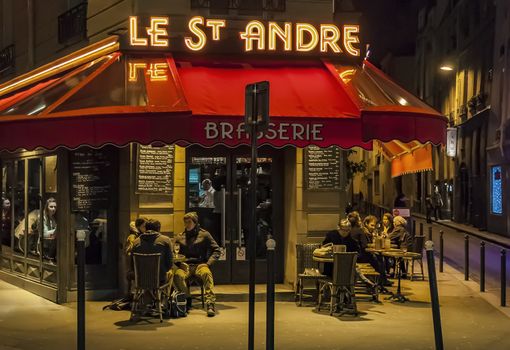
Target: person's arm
(327, 239)
(215, 248)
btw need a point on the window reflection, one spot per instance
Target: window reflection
(19, 209)
(95, 223)
(7, 207)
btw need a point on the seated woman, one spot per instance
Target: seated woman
(49, 229)
(387, 225)
(401, 238)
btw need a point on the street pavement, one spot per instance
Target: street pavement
(469, 322)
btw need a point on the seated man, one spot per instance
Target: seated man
(201, 251)
(150, 242)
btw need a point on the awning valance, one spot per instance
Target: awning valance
(407, 158)
(100, 95)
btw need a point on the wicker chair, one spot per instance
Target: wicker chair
(146, 268)
(418, 243)
(341, 286)
(304, 260)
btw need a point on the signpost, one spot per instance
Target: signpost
(256, 119)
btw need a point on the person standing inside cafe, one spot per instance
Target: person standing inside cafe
(201, 251)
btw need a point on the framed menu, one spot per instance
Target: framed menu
(155, 170)
(91, 172)
(322, 168)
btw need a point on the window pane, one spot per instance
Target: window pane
(34, 207)
(50, 174)
(95, 223)
(19, 209)
(6, 224)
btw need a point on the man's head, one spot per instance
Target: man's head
(370, 223)
(190, 220)
(344, 228)
(206, 184)
(353, 218)
(140, 224)
(153, 225)
(399, 221)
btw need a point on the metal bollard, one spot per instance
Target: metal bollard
(270, 245)
(441, 251)
(466, 257)
(434, 297)
(482, 266)
(430, 233)
(80, 248)
(503, 277)
(421, 228)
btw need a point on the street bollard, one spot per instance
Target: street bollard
(421, 228)
(80, 247)
(430, 233)
(482, 266)
(503, 277)
(441, 251)
(434, 296)
(270, 245)
(466, 257)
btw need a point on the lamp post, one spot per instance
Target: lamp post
(256, 119)
(80, 247)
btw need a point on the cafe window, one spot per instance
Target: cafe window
(29, 218)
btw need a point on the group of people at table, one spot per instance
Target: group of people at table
(357, 235)
(189, 254)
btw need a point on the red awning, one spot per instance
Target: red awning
(101, 96)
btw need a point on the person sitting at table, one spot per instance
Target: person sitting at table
(151, 242)
(356, 230)
(401, 238)
(342, 236)
(201, 251)
(387, 225)
(369, 227)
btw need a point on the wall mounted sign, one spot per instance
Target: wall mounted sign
(91, 171)
(155, 32)
(322, 168)
(451, 142)
(155, 171)
(496, 190)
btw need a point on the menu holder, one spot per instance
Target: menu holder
(155, 170)
(322, 168)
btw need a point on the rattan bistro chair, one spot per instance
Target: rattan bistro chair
(305, 267)
(146, 268)
(418, 243)
(341, 285)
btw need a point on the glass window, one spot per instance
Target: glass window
(34, 208)
(50, 174)
(7, 207)
(496, 190)
(95, 223)
(19, 209)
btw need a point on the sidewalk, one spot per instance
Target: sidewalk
(469, 322)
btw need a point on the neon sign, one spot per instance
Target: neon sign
(156, 71)
(256, 36)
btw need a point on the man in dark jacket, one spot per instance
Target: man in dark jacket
(340, 236)
(150, 242)
(201, 251)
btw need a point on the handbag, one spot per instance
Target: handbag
(326, 251)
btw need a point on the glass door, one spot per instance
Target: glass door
(218, 190)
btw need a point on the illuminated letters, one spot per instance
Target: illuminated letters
(284, 34)
(349, 39)
(215, 24)
(330, 34)
(133, 70)
(156, 34)
(255, 30)
(157, 71)
(193, 27)
(301, 28)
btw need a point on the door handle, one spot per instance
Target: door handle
(239, 216)
(223, 217)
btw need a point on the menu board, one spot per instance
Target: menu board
(322, 168)
(155, 170)
(91, 172)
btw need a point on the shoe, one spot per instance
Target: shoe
(210, 310)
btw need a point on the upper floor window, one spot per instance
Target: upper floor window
(72, 24)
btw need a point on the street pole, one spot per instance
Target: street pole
(436, 315)
(80, 246)
(270, 245)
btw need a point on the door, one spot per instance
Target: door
(218, 190)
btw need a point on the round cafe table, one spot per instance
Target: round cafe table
(398, 255)
(382, 263)
(179, 258)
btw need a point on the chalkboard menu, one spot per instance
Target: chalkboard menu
(322, 168)
(155, 171)
(91, 172)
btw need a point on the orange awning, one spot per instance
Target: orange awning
(413, 161)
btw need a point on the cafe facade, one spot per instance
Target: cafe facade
(151, 124)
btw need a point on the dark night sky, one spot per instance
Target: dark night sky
(389, 25)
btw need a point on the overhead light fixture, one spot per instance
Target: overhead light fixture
(446, 68)
(403, 101)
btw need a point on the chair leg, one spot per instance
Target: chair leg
(321, 292)
(202, 295)
(412, 269)
(333, 292)
(300, 292)
(158, 294)
(421, 266)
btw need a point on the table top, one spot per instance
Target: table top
(401, 254)
(372, 245)
(380, 251)
(323, 259)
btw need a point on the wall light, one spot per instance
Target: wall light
(446, 68)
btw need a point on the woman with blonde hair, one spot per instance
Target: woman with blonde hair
(49, 225)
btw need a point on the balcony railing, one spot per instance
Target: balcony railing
(72, 24)
(7, 58)
(244, 5)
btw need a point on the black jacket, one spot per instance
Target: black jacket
(335, 238)
(154, 242)
(198, 246)
(401, 237)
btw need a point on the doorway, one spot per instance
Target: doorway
(217, 188)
